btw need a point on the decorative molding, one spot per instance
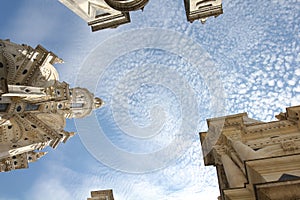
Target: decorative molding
(289, 145)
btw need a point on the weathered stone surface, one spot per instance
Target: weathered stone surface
(258, 160)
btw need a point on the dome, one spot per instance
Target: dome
(82, 102)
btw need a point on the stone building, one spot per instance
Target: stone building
(102, 195)
(102, 14)
(255, 160)
(34, 104)
(201, 10)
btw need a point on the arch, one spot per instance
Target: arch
(127, 5)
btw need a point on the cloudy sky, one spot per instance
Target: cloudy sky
(161, 78)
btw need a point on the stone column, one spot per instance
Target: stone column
(245, 152)
(237, 161)
(234, 175)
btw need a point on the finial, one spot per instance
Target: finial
(281, 116)
(98, 102)
(203, 20)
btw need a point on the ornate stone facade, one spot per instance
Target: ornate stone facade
(102, 14)
(34, 105)
(255, 160)
(202, 9)
(102, 195)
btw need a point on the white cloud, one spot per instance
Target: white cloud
(187, 178)
(49, 188)
(241, 43)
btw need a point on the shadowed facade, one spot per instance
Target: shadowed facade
(255, 160)
(102, 14)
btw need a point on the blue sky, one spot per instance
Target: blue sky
(166, 74)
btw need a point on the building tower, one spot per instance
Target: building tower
(102, 14)
(255, 160)
(202, 9)
(34, 105)
(102, 195)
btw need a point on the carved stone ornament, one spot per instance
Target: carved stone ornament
(289, 145)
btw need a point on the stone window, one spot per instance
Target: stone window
(30, 107)
(3, 107)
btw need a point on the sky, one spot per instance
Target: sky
(161, 77)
